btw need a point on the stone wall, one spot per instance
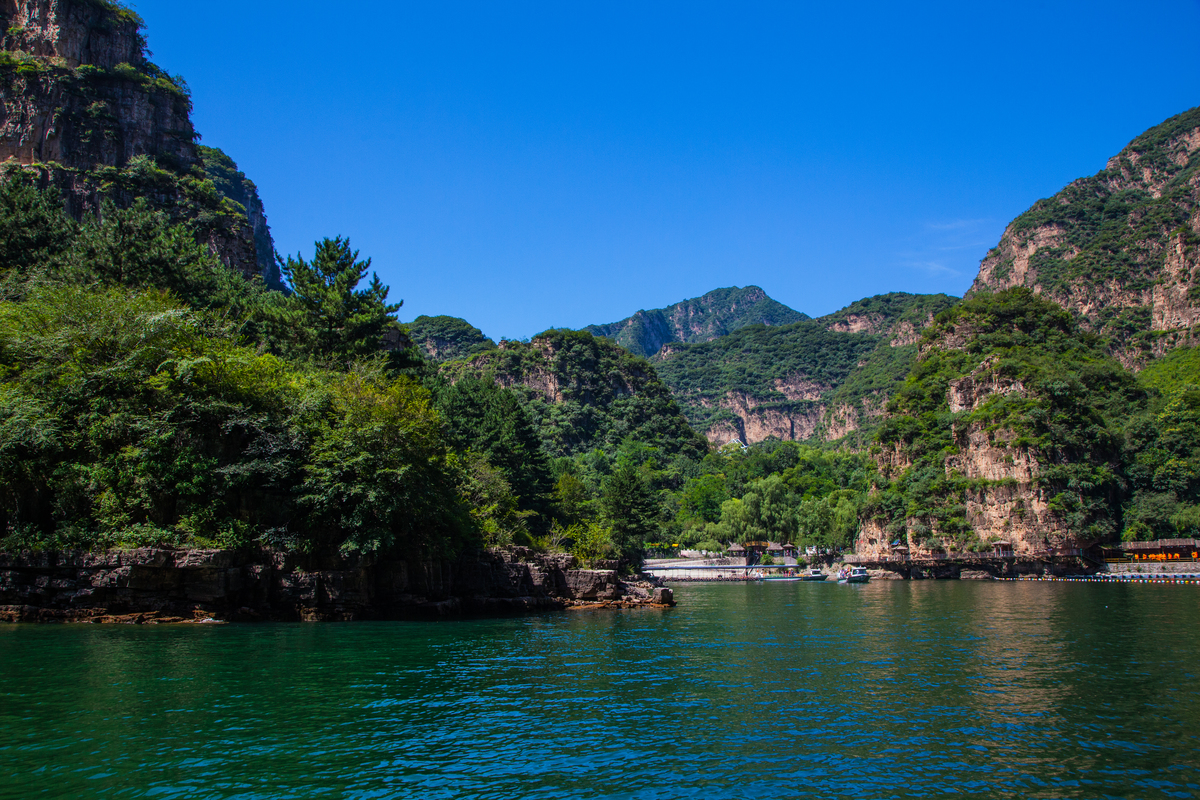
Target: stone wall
(148, 585)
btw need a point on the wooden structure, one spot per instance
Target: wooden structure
(1158, 550)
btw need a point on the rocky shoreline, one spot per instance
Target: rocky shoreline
(160, 585)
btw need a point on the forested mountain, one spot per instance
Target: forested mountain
(699, 319)
(447, 338)
(1019, 422)
(1118, 249)
(584, 392)
(815, 379)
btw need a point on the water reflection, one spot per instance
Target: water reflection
(745, 690)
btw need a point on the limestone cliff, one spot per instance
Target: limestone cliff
(1119, 249)
(1001, 437)
(82, 107)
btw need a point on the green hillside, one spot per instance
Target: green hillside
(585, 392)
(444, 338)
(1118, 248)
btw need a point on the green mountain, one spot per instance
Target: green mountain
(585, 392)
(447, 338)
(1020, 425)
(1119, 249)
(699, 319)
(814, 379)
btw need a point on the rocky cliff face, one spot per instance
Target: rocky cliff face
(82, 107)
(1000, 438)
(1119, 249)
(74, 32)
(233, 185)
(156, 585)
(700, 319)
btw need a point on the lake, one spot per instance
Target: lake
(892, 689)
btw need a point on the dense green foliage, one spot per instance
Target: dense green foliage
(699, 319)
(485, 419)
(584, 392)
(326, 316)
(141, 401)
(1115, 452)
(127, 418)
(444, 338)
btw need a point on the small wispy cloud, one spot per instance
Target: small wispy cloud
(933, 268)
(956, 224)
(948, 248)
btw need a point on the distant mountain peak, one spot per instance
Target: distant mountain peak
(698, 319)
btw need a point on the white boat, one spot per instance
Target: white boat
(812, 574)
(855, 575)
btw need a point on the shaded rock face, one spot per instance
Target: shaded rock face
(82, 107)
(99, 119)
(756, 421)
(150, 584)
(233, 184)
(1119, 249)
(75, 31)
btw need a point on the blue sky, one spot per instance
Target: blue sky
(528, 165)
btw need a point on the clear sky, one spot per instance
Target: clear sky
(528, 165)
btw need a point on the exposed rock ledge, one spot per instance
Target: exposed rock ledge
(161, 585)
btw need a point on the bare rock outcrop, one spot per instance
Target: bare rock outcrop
(162, 585)
(756, 420)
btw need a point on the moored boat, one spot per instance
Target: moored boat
(854, 575)
(813, 574)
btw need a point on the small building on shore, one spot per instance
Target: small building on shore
(1158, 550)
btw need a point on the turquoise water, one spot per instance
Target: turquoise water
(744, 691)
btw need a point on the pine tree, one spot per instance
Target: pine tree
(338, 321)
(629, 506)
(490, 420)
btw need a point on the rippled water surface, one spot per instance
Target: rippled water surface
(743, 691)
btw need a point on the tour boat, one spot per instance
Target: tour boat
(813, 574)
(855, 575)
